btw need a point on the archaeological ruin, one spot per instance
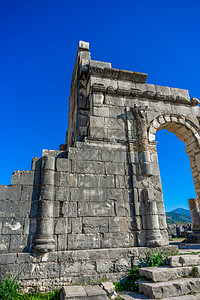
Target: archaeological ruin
(92, 208)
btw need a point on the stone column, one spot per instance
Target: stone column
(154, 238)
(139, 114)
(194, 205)
(44, 241)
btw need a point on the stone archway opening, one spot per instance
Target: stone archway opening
(175, 171)
(187, 131)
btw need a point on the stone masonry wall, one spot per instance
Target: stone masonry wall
(91, 209)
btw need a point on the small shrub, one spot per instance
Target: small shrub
(194, 272)
(154, 259)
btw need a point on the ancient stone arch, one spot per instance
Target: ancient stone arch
(187, 131)
(93, 207)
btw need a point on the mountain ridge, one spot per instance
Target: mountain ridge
(178, 216)
(181, 211)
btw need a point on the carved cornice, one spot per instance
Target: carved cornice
(118, 74)
(137, 93)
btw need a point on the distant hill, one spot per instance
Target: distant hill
(178, 216)
(181, 211)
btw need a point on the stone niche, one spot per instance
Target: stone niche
(92, 208)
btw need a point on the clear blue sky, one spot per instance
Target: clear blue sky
(39, 41)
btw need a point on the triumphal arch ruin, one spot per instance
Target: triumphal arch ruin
(91, 208)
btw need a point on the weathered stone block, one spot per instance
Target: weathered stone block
(18, 243)
(98, 132)
(31, 258)
(174, 288)
(117, 113)
(63, 165)
(113, 100)
(8, 192)
(73, 292)
(87, 194)
(105, 266)
(8, 209)
(83, 119)
(68, 179)
(79, 255)
(12, 226)
(36, 164)
(8, 258)
(30, 226)
(26, 177)
(47, 192)
(29, 192)
(117, 124)
(70, 269)
(96, 122)
(113, 224)
(92, 181)
(99, 64)
(83, 241)
(184, 260)
(107, 181)
(4, 243)
(87, 153)
(87, 167)
(101, 111)
(99, 209)
(121, 224)
(123, 182)
(68, 209)
(115, 240)
(62, 242)
(114, 194)
(95, 224)
(125, 209)
(57, 209)
(116, 134)
(61, 226)
(76, 225)
(123, 265)
(114, 156)
(62, 193)
(95, 293)
(114, 168)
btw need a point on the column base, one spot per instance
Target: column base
(44, 245)
(154, 239)
(194, 237)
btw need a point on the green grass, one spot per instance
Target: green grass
(10, 289)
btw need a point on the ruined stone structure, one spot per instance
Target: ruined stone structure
(91, 208)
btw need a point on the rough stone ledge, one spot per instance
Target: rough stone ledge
(83, 292)
(118, 74)
(165, 273)
(87, 254)
(137, 93)
(184, 260)
(172, 288)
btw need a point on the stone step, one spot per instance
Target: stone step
(137, 296)
(184, 260)
(174, 288)
(87, 292)
(165, 273)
